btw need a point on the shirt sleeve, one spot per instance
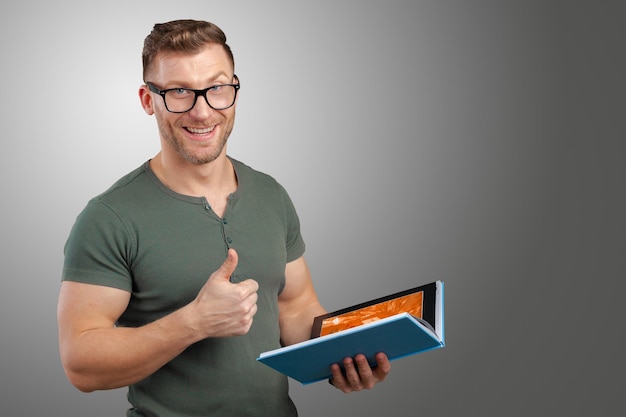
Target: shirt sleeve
(295, 242)
(99, 249)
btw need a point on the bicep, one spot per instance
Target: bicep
(298, 303)
(298, 291)
(82, 307)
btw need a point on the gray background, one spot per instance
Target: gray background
(478, 142)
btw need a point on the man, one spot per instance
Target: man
(187, 268)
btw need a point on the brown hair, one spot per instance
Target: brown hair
(187, 36)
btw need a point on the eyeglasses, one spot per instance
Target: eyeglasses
(181, 100)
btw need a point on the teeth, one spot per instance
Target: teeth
(200, 131)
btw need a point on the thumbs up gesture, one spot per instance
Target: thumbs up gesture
(223, 308)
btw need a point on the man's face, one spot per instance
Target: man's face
(198, 136)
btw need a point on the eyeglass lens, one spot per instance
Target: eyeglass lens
(182, 99)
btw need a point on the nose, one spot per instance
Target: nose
(201, 108)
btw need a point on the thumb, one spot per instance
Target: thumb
(228, 267)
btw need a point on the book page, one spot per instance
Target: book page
(411, 304)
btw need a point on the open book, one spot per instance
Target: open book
(399, 325)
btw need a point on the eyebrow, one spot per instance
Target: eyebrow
(181, 84)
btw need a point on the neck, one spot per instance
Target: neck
(214, 181)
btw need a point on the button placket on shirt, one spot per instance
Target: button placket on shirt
(228, 239)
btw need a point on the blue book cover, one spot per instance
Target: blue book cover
(399, 335)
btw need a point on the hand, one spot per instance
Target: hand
(223, 308)
(358, 373)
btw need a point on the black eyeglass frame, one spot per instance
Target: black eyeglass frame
(197, 94)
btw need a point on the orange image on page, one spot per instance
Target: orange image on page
(411, 304)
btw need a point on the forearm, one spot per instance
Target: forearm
(97, 355)
(297, 327)
(112, 357)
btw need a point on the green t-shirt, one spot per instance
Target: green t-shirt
(162, 246)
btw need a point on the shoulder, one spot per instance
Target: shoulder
(128, 194)
(263, 189)
(129, 183)
(139, 190)
(252, 179)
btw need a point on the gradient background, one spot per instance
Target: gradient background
(477, 142)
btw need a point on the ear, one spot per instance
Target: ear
(146, 100)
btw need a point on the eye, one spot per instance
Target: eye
(215, 88)
(179, 94)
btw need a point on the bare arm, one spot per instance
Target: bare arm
(299, 305)
(97, 355)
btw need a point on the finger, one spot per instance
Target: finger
(383, 366)
(338, 379)
(365, 371)
(250, 285)
(228, 267)
(248, 292)
(353, 378)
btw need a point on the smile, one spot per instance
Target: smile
(198, 131)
